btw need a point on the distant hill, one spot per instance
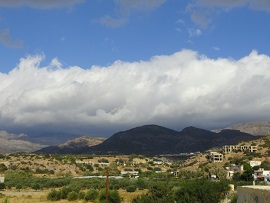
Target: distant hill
(253, 128)
(73, 146)
(51, 138)
(156, 140)
(12, 143)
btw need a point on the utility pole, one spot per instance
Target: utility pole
(107, 186)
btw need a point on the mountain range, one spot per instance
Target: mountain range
(156, 140)
(148, 139)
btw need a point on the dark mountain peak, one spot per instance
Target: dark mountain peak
(190, 129)
(144, 131)
(193, 131)
(151, 127)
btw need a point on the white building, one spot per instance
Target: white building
(255, 163)
(215, 157)
(2, 178)
(243, 148)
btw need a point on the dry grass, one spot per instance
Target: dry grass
(29, 196)
(128, 196)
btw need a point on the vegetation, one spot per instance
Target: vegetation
(173, 181)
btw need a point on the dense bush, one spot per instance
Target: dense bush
(54, 195)
(2, 186)
(197, 190)
(131, 188)
(65, 191)
(114, 196)
(91, 195)
(203, 191)
(72, 196)
(81, 195)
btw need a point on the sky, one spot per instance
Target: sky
(101, 66)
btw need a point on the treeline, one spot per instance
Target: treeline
(196, 190)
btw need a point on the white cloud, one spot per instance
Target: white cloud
(111, 22)
(194, 32)
(203, 11)
(41, 4)
(127, 6)
(175, 91)
(124, 8)
(6, 39)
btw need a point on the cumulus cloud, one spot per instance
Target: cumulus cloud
(124, 8)
(176, 91)
(111, 22)
(128, 6)
(203, 11)
(6, 39)
(194, 32)
(41, 4)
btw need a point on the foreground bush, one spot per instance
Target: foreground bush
(197, 190)
(72, 196)
(91, 195)
(54, 195)
(114, 196)
(131, 188)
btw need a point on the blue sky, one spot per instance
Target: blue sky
(99, 32)
(50, 50)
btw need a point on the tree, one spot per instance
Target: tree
(64, 192)
(19, 186)
(247, 174)
(36, 186)
(3, 168)
(141, 184)
(159, 192)
(72, 196)
(265, 165)
(203, 191)
(131, 188)
(2, 186)
(81, 195)
(91, 195)
(114, 196)
(54, 195)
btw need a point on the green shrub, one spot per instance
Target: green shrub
(54, 195)
(114, 196)
(131, 188)
(81, 195)
(116, 187)
(2, 186)
(72, 196)
(64, 192)
(91, 195)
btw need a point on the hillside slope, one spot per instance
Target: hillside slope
(12, 143)
(253, 128)
(74, 146)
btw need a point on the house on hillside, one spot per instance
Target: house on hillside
(233, 169)
(262, 175)
(255, 163)
(243, 148)
(215, 157)
(2, 178)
